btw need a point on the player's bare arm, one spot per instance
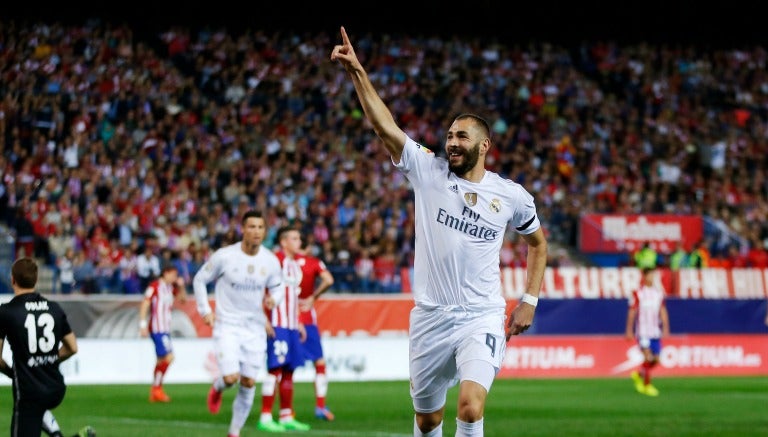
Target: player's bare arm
(629, 331)
(143, 311)
(664, 321)
(326, 281)
(375, 110)
(521, 317)
(68, 347)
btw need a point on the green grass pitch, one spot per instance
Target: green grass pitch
(694, 406)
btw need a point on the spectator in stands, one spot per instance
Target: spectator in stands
(343, 272)
(129, 277)
(147, 265)
(699, 256)
(65, 270)
(678, 258)
(646, 257)
(757, 256)
(85, 274)
(366, 275)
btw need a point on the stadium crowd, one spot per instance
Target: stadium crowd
(120, 154)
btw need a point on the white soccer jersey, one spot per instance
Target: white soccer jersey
(648, 302)
(241, 281)
(460, 227)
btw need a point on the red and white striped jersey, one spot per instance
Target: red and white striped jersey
(286, 313)
(161, 296)
(311, 268)
(648, 302)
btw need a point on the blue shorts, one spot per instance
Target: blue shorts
(285, 350)
(313, 348)
(162, 341)
(654, 344)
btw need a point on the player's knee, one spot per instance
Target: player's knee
(230, 380)
(247, 382)
(429, 421)
(470, 412)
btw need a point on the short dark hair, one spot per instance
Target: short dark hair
(24, 272)
(284, 230)
(479, 121)
(251, 214)
(648, 269)
(168, 267)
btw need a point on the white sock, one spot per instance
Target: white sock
(219, 385)
(49, 423)
(464, 429)
(241, 408)
(321, 385)
(437, 432)
(268, 385)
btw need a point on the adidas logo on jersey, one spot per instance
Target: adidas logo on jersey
(453, 187)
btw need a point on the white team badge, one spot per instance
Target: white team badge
(251, 268)
(495, 205)
(470, 198)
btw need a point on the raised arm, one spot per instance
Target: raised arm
(375, 110)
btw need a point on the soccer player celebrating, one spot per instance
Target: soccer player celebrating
(248, 280)
(159, 298)
(647, 322)
(456, 330)
(285, 334)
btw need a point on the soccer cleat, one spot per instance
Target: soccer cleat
(270, 426)
(158, 395)
(638, 380)
(214, 401)
(86, 431)
(324, 414)
(294, 425)
(650, 390)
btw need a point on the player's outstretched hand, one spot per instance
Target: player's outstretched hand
(345, 54)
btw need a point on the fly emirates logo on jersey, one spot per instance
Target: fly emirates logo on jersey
(467, 223)
(247, 285)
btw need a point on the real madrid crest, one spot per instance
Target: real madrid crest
(251, 269)
(495, 205)
(470, 198)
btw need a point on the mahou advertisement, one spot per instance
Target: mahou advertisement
(605, 233)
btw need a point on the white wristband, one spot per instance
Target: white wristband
(142, 323)
(530, 300)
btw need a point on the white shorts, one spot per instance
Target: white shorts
(240, 349)
(446, 347)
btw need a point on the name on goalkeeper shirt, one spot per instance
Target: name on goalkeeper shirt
(466, 223)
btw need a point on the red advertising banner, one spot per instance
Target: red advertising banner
(605, 233)
(600, 356)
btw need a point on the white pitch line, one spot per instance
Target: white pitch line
(209, 425)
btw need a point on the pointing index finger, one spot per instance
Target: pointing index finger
(344, 37)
